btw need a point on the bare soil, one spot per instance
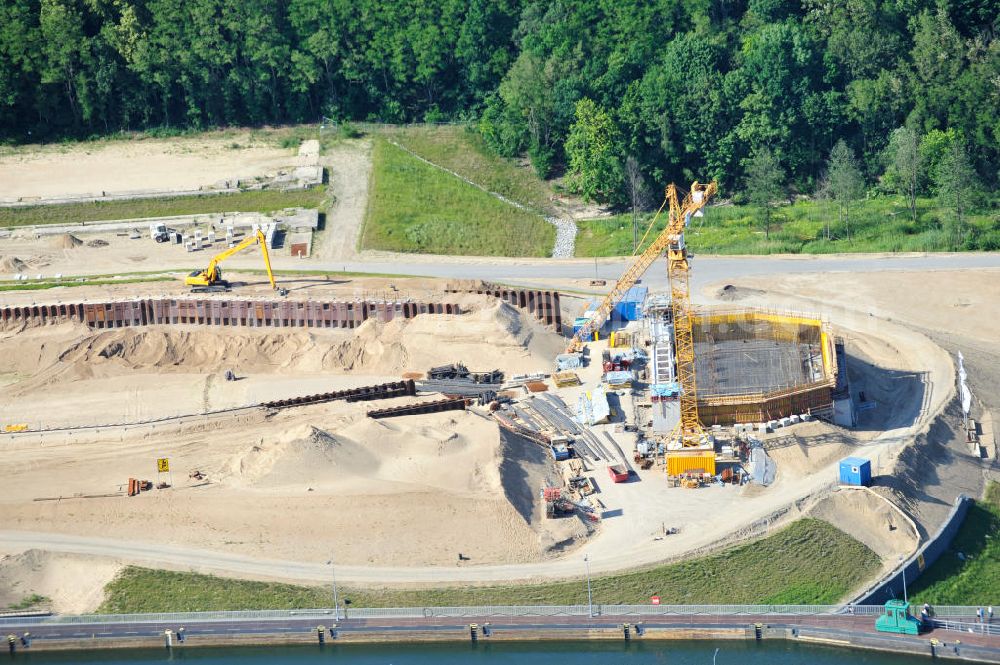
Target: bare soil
(91, 168)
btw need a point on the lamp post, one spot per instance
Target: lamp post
(905, 599)
(336, 601)
(590, 595)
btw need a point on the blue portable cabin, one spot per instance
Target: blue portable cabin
(629, 308)
(855, 471)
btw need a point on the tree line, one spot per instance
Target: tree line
(619, 93)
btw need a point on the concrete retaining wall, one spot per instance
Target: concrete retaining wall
(891, 586)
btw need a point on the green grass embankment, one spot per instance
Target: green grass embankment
(810, 561)
(460, 148)
(414, 207)
(876, 225)
(968, 573)
(167, 206)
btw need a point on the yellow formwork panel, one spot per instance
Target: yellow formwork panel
(755, 315)
(679, 463)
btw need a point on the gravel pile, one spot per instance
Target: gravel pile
(565, 237)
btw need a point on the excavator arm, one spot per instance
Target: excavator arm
(212, 276)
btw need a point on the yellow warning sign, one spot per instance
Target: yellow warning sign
(163, 465)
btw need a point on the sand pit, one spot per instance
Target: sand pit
(72, 584)
(410, 492)
(70, 352)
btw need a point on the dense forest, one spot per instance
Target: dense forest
(617, 92)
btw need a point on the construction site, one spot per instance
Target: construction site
(453, 423)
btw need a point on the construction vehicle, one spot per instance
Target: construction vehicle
(159, 232)
(210, 279)
(689, 432)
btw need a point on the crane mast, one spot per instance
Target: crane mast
(689, 432)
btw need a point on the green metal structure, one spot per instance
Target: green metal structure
(897, 619)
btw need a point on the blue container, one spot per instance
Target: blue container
(855, 471)
(629, 308)
(560, 452)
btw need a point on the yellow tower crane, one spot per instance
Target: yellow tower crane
(210, 279)
(689, 432)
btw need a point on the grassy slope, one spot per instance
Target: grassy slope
(262, 201)
(877, 225)
(414, 207)
(461, 149)
(976, 580)
(808, 562)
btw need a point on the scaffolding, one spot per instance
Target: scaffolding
(762, 365)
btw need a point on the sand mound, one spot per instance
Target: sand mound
(65, 241)
(730, 293)
(73, 584)
(12, 264)
(494, 337)
(870, 519)
(807, 448)
(454, 453)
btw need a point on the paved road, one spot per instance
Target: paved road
(825, 626)
(706, 270)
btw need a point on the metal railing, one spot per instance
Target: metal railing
(973, 627)
(943, 614)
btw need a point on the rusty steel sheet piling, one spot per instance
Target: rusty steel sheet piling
(364, 393)
(424, 407)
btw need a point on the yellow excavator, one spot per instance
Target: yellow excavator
(210, 279)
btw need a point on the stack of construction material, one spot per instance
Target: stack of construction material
(618, 380)
(565, 379)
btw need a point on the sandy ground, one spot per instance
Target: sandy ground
(349, 166)
(957, 310)
(410, 491)
(73, 584)
(439, 484)
(122, 166)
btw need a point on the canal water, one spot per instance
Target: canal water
(515, 653)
